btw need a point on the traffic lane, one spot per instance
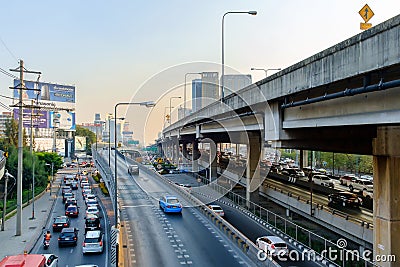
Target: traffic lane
(202, 244)
(71, 256)
(149, 244)
(253, 230)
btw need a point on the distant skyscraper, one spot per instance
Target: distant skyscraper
(209, 88)
(196, 95)
(97, 117)
(235, 82)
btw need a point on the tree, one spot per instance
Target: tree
(11, 133)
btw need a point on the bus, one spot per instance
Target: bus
(30, 260)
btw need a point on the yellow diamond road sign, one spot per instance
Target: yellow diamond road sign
(366, 13)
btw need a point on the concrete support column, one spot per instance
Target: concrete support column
(303, 162)
(386, 152)
(253, 178)
(195, 156)
(177, 152)
(213, 161)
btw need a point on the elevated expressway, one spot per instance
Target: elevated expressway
(343, 99)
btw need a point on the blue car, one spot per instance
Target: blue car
(170, 204)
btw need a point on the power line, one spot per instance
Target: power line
(9, 51)
(8, 74)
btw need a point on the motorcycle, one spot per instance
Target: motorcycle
(46, 244)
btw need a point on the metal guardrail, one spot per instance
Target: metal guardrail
(302, 235)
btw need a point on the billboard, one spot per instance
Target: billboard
(80, 143)
(62, 119)
(40, 118)
(46, 91)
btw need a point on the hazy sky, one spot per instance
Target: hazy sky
(118, 51)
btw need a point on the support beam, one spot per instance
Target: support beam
(213, 161)
(253, 177)
(386, 151)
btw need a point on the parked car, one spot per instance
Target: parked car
(347, 179)
(170, 204)
(345, 199)
(72, 211)
(216, 209)
(93, 242)
(272, 245)
(92, 222)
(323, 180)
(60, 222)
(68, 236)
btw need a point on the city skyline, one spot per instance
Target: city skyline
(141, 51)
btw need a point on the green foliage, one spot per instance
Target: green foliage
(11, 133)
(49, 158)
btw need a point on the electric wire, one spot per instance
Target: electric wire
(9, 51)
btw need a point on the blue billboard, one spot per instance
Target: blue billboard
(46, 91)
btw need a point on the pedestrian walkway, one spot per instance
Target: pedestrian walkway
(31, 228)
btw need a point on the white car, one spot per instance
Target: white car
(51, 260)
(272, 245)
(90, 197)
(362, 185)
(323, 180)
(217, 210)
(93, 242)
(93, 210)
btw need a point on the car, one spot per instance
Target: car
(87, 265)
(72, 211)
(74, 185)
(92, 210)
(92, 203)
(347, 179)
(68, 195)
(65, 189)
(361, 185)
(86, 190)
(216, 209)
(70, 201)
(345, 199)
(68, 182)
(93, 242)
(92, 222)
(68, 236)
(272, 245)
(90, 197)
(323, 180)
(170, 204)
(60, 222)
(51, 260)
(133, 169)
(294, 172)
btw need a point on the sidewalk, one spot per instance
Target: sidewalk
(31, 228)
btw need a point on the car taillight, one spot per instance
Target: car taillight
(272, 246)
(168, 206)
(65, 224)
(83, 244)
(54, 225)
(101, 243)
(59, 238)
(74, 238)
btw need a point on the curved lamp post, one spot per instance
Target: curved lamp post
(223, 59)
(265, 70)
(148, 104)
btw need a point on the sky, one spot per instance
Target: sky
(123, 51)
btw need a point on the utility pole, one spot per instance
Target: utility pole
(21, 87)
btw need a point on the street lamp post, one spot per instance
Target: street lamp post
(223, 52)
(184, 92)
(52, 174)
(109, 137)
(265, 70)
(170, 107)
(146, 104)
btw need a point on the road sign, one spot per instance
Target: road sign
(365, 26)
(366, 13)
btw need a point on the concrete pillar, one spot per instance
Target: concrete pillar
(213, 161)
(253, 178)
(386, 152)
(303, 162)
(195, 156)
(177, 152)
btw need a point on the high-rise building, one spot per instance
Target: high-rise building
(4, 117)
(235, 82)
(196, 95)
(209, 88)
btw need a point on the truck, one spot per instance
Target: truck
(133, 169)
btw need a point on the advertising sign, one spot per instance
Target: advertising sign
(80, 143)
(46, 91)
(62, 120)
(40, 118)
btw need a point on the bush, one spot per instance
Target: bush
(104, 189)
